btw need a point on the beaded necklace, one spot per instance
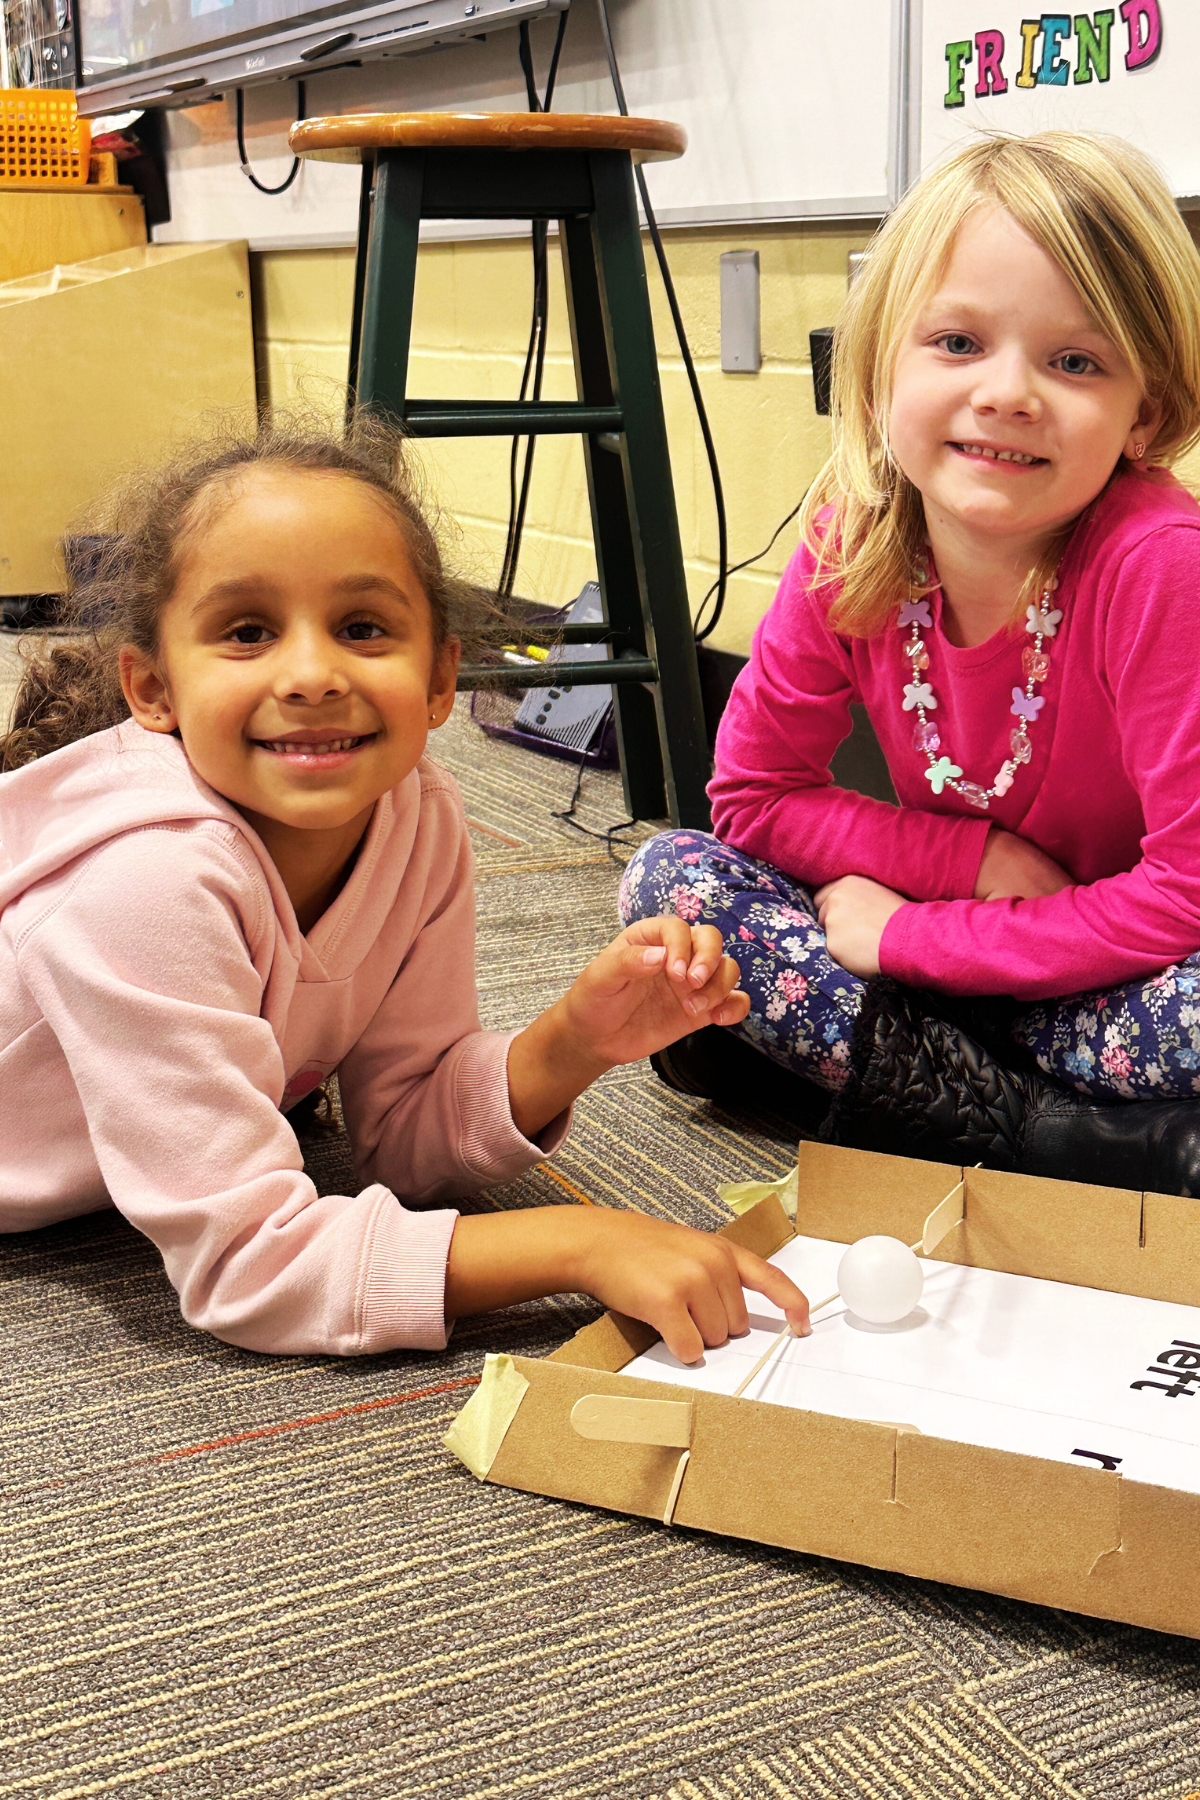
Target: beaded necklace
(1042, 622)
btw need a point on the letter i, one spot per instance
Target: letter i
(1031, 31)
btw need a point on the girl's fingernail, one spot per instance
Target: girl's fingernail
(699, 975)
(806, 1329)
(651, 957)
(679, 969)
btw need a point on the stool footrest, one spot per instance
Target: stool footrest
(508, 418)
(552, 675)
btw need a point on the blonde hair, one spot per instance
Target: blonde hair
(1102, 212)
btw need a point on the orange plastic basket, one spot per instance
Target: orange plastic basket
(43, 141)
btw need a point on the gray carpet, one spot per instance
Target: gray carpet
(227, 1575)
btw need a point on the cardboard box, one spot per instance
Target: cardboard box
(1082, 1538)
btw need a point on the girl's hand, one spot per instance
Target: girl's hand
(659, 980)
(655, 983)
(684, 1283)
(1013, 868)
(853, 912)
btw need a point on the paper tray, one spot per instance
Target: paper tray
(1075, 1537)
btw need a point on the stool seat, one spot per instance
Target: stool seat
(345, 136)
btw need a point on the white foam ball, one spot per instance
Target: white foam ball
(880, 1279)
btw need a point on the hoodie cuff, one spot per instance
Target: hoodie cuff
(490, 1145)
(404, 1296)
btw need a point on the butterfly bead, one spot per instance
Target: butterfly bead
(1046, 623)
(1026, 706)
(915, 612)
(940, 772)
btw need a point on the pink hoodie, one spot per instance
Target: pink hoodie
(159, 1004)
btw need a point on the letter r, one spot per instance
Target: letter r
(989, 75)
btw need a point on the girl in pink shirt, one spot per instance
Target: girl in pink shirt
(227, 869)
(998, 565)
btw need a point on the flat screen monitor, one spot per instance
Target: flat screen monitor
(177, 52)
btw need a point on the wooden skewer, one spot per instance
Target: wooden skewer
(773, 1346)
(766, 1356)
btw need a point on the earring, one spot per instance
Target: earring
(1139, 450)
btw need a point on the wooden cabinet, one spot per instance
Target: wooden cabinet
(106, 365)
(39, 229)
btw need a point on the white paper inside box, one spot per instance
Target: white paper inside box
(1076, 1536)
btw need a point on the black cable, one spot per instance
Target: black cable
(247, 171)
(535, 355)
(607, 836)
(685, 352)
(735, 567)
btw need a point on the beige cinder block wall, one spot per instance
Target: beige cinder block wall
(470, 330)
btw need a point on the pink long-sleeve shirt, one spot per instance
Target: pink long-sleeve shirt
(159, 1005)
(1112, 792)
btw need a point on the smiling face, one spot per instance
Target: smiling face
(296, 653)
(1009, 407)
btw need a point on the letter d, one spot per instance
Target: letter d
(1143, 22)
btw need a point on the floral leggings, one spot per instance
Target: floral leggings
(1138, 1042)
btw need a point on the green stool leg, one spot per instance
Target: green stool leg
(365, 197)
(650, 494)
(391, 276)
(612, 532)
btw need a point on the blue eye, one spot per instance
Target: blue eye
(1076, 363)
(956, 343)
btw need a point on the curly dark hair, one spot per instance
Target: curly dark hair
(71, 688)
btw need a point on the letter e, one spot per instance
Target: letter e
(1053, 71)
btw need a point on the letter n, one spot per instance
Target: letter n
(1143, 21)
(989, 75)
(1094, 45)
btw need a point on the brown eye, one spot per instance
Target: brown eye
(250, 635)
(361, 631)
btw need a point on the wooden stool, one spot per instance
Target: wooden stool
(577, 169)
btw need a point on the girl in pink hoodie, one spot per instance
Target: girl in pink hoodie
(227, 869)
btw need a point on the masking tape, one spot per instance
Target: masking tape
(740, 1196)
(478, 1432)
